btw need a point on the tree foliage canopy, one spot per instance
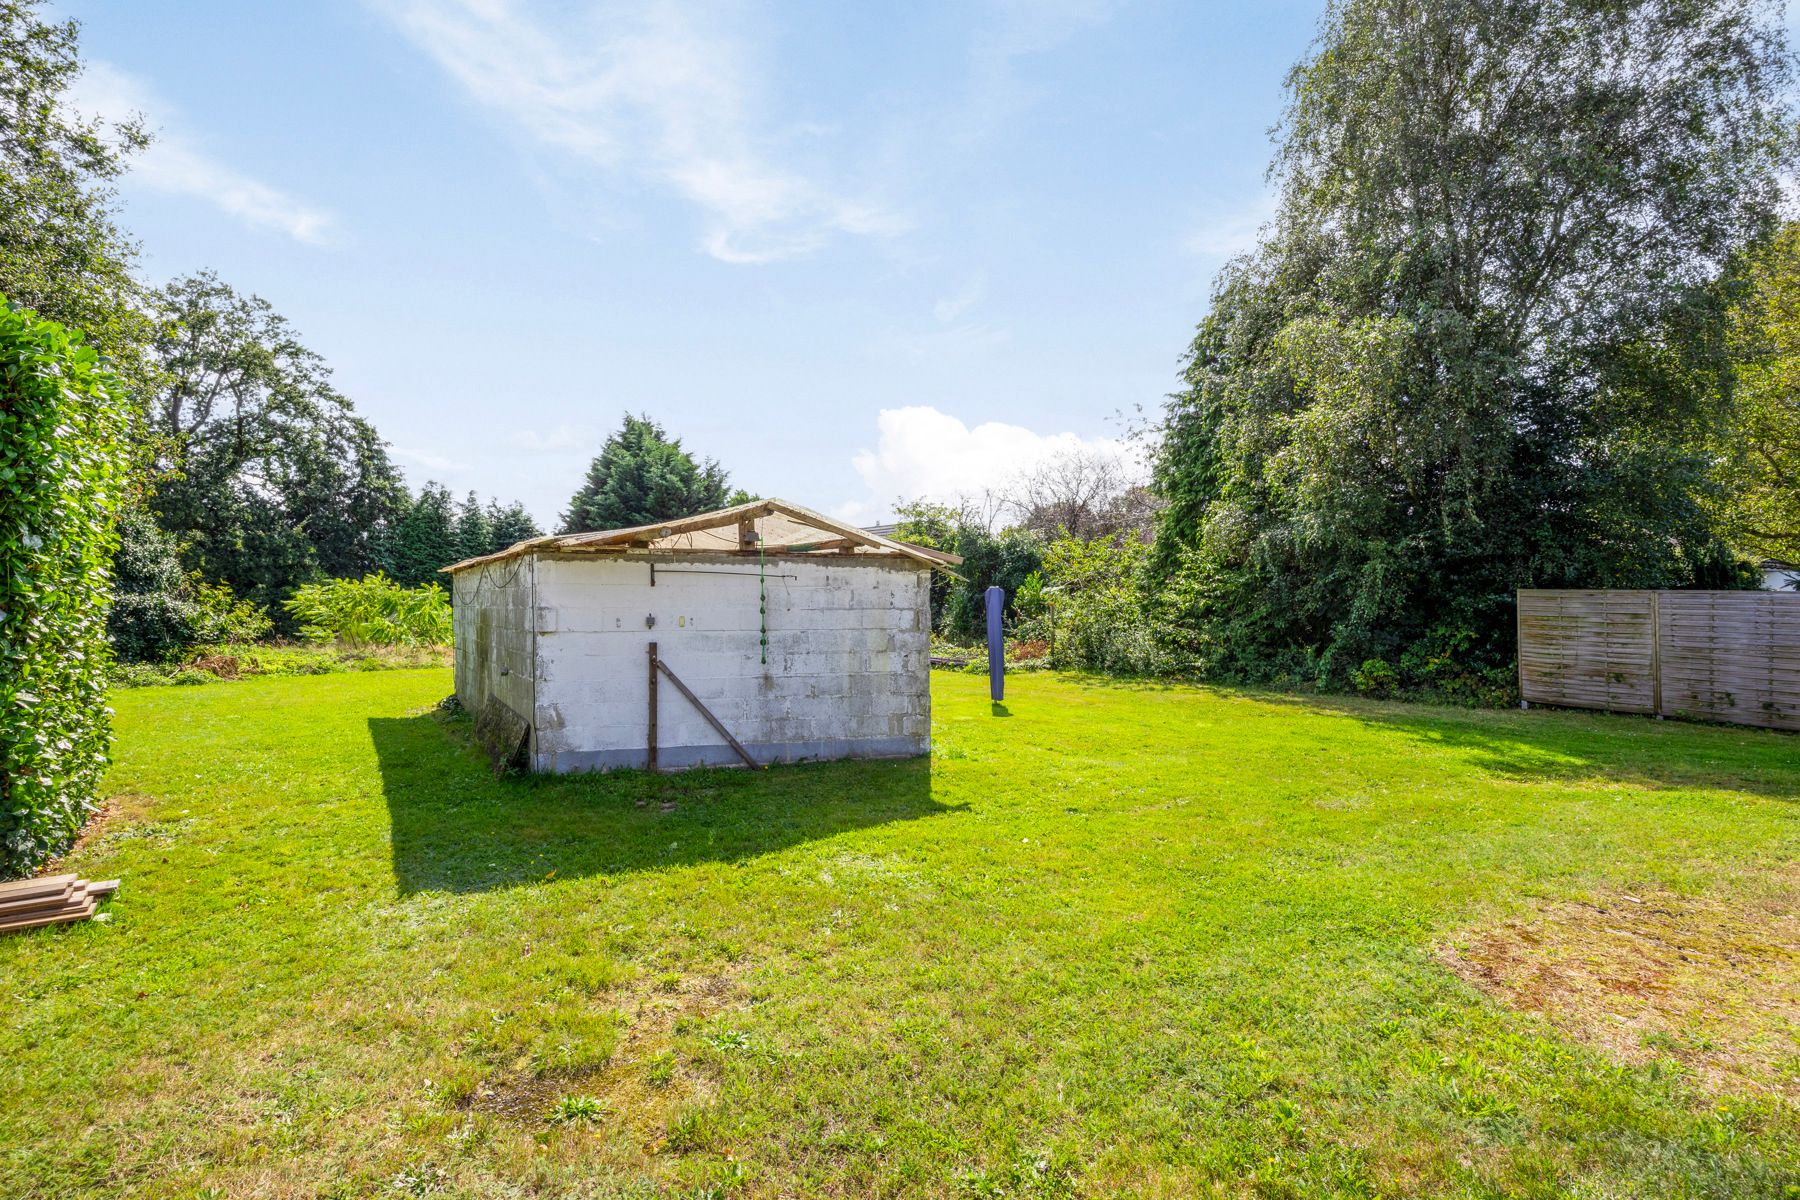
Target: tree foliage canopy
(1480, 346)
(643, 475)
(1004, 560)
(265, 472)
(61, 255)
(1759, 454)
(160, 608)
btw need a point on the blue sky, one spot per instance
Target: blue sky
(852, 251)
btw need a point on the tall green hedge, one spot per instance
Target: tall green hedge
(64, 466)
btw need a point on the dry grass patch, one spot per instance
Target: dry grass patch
(1711, 983)
(645, 1084)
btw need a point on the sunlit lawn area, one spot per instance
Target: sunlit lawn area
(1110, 940)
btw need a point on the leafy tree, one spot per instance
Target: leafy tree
(1480, 345)
(1092, 612)
(510, 525)
(60, 252)
(64, 475)
(266, 474)
(640, 476)
(1759, 469)
(426, 539)
(1005, 560)
(159, 609)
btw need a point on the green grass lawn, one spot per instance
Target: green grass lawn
(1110, 940)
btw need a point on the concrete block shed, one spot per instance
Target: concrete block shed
(779, 635)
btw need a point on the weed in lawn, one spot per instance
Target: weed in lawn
(730, 1041)
(660, 1070)
(691, 1128)
(576, 1110)
(418, 1179)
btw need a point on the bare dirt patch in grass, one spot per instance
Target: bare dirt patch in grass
(646, 1081)
(1712, 984)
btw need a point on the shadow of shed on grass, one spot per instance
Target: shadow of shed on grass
(457, 828)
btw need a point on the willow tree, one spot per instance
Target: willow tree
(1481, 345)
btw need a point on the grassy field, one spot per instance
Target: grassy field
(1110, 940)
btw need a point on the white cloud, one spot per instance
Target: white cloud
(174, 164)
(924, 452)
(1229, 230)
(645, 89)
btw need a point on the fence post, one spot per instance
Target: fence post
(1656, 654)
(1519, 642)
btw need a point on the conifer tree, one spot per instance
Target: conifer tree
(643, 475)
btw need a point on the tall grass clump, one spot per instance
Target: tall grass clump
(372, 611)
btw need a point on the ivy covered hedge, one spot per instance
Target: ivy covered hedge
(64, 468)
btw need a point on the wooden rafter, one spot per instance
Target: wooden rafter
(837, 537)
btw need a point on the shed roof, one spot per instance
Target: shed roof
(774, 526)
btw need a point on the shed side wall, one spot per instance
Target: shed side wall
(492, 626)
(847, 671)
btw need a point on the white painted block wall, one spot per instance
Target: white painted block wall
(848, 670)
(491, 624)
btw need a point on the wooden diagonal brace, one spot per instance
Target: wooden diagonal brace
(657, 664)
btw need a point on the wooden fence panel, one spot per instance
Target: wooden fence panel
(1732, 656)
(1587, 649)
(1716, 656)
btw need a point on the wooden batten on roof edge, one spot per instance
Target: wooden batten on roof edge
(838, 537)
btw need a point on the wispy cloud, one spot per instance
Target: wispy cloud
(961, 301)
(175, 164)
(561, 440)
(1018, 29)
(431, 460)
(1231, 229)
(650, 89)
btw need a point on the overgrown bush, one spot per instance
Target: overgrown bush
(373, 611)
(1375, 678)
(1089, 606)
(160, 611)
(64, 468)
(1004, 560)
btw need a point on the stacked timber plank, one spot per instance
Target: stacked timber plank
(52, 900)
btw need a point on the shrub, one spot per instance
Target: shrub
(1375, 678)
(373, 611)
(64, 467)
(1005, 561)
(1096, 616)
(159, 611)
